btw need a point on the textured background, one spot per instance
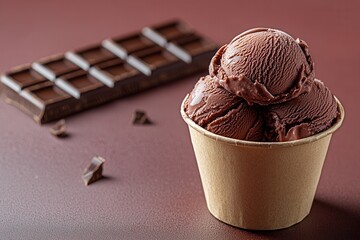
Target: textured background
(153, 189)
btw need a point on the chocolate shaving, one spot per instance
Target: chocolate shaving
(141, 118)
(93, 172)
(59, 129)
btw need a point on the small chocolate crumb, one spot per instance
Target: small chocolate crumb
(141, 118)
(59, 129)
(93, 172)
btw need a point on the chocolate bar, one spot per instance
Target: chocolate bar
(57, 86)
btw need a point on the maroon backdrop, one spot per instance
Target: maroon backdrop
(153, 189)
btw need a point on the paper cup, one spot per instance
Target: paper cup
(259, 185)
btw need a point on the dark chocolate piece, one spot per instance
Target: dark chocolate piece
(155, 57)
(59, 129)
(64, 88)
(78, 83)
(45, 94)
(193, 44)
(150, 59)
(162, 34)
(189, 46)
(93, 172)
(141, 118)
(115, 72)
(87, 57)
(180, 40)
(21, 77)
(54, 66)
(43, 102)
(124, 46)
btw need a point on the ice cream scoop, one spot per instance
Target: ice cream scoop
(264, 66)
(221, 112)
(262, 87)
(304, 116)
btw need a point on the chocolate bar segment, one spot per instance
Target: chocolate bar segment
(155, 57)
(190, 46)
(124, 46)
(180, 40)
(87, 57)
(162, 34)
(89, 90)
(150, 59)
(115, 72)
(78, 83)
(60, 85)
(44, 95)
(44, 102)
(134, 43)
(54, 66)
(172, 30)
(21, 77)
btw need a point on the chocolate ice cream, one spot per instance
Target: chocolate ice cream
(221, 112)
(306, 115)
(262, 87)
(264, 66)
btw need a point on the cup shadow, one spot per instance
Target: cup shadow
(325, 221)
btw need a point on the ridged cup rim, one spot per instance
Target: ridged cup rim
(238, 142)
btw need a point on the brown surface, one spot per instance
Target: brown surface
(152, 189)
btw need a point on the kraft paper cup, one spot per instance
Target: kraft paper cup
(259, 185)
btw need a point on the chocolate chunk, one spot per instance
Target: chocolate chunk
(141, 118)
(56, 86)
(59, 129)
(93, 172)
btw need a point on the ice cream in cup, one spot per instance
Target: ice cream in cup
(260, 125)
